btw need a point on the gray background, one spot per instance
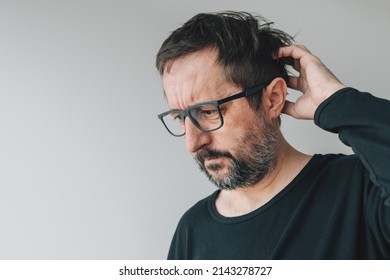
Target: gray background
(86, 169)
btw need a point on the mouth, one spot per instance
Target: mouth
(212, 159)
(214, 164)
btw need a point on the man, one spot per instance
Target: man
(225, 81)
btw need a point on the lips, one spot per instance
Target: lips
(211, 158)
(213, 164)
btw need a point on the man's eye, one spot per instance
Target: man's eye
(177, 117)
(209, 113)
(205, 113)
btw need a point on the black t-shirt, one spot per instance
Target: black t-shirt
(336, 208)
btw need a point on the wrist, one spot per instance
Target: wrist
(329, 90)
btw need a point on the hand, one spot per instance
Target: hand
(315, 81)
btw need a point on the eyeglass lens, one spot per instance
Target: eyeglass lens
(206, 117)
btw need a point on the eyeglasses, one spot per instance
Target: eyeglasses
(206, 116)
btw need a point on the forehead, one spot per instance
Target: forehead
(205, 58)
(195, 77)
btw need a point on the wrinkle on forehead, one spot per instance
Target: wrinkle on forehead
(194, 78)
(211, 55)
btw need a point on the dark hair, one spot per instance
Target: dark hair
(245, 44)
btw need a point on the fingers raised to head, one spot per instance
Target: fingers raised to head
(293, 51)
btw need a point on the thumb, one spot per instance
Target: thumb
(289, 109)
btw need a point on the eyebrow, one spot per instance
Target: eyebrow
(170, 108)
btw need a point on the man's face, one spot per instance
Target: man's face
(243, 150)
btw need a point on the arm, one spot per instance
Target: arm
(363, 123)
(360, 119)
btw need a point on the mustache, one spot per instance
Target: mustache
(202, 155)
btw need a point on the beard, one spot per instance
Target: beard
(256, 157)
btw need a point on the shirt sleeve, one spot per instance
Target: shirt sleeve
(362, 122)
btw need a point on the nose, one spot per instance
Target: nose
(195, 138)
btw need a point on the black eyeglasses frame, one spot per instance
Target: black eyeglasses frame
(216, 103)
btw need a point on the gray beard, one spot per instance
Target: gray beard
(256, 157)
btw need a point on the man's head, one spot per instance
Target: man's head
(212, 57)
(245, 46)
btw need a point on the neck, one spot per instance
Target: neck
(238, 202)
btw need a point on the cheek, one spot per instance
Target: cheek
(235, 138)
(229, 135)
(239, 120)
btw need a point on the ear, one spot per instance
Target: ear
(273, 99)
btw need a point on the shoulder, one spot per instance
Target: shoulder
(338, 171)
(336, 162)
(332, 168)
(198, 212)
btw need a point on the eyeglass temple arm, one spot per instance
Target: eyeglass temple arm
(248, 92)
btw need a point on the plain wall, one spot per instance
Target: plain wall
(87, 171)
